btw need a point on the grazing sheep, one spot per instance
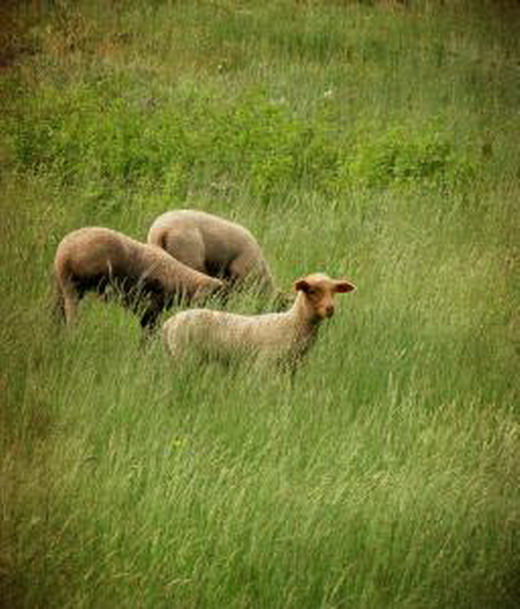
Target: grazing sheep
(280, 337)
(148, 279)
(213, 245)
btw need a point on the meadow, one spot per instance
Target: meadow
(372, 140)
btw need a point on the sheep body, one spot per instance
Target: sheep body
(282, 338)
(212, 245)
(92, 258)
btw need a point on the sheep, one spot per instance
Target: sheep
(280, 338)
(213, 245)
(147, 278)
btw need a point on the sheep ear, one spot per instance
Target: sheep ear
(343, 286)
(301, 285)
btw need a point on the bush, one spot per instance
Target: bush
(402, 156)
(90, 133)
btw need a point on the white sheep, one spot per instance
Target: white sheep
(146, 277)
(213, 245)
(282, 338)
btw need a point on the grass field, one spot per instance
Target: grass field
(375, 140)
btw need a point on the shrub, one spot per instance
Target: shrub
(400, 156)
(92, 133)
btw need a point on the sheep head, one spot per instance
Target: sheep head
(320, 290)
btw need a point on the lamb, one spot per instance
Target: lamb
(213, 245)
(280, 338)
(148, 279)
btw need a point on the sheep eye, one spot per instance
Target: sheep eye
(311, 291)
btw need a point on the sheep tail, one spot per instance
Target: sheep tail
(162, 241)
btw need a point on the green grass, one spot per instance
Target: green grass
(371, 140)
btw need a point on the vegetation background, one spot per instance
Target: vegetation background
(377, 140)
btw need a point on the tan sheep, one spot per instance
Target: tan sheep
(146, 277)
(213, 245)
(282, 338)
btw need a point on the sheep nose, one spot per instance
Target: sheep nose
(329, 310)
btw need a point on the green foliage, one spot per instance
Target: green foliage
(401, 156)
(92, 133)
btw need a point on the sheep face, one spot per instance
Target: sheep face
(320, 290)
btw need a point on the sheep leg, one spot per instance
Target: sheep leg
(248, 270)
(58, 302)
(70, 300)
(167, 336)
(240, 267)
(151, 314)
(149, 319)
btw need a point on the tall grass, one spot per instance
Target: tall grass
(372, 140)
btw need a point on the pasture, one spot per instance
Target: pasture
(372, 140)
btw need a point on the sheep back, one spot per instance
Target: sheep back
(211, 244)
(91, 258)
